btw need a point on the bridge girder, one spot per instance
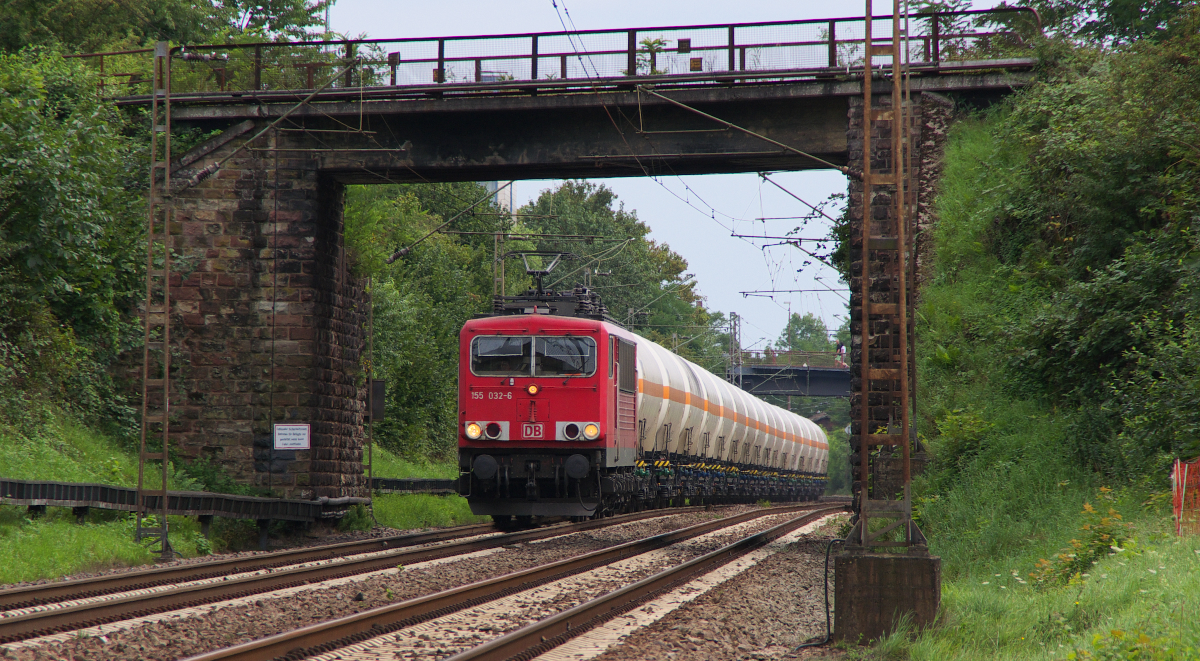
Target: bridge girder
(795, 381)
(575, 135)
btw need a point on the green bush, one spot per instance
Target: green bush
(71, 246)
(1057, 353)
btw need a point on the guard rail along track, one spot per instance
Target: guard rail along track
(69, 618)
(31, 493)
(335, 634)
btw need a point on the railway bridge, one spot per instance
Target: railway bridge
(253, 317)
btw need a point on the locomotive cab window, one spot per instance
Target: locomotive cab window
(564, 356)
(501, 356)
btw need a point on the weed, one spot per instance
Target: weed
(202, 543)
(1104, 535)
(1117, 645)
(387, 464)
(356, 518)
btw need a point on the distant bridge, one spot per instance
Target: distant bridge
(793, 380)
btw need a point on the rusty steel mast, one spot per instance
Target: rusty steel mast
(151, 515)
(886, 371)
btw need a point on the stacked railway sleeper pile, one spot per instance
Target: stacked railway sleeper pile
(473, 592)
(564, 412)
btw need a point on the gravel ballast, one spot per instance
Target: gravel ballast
(761, 614)
(446, 636)
(174, 638)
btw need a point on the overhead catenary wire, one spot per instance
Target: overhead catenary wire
(712, 214)
(786, 291)
(797, 197)
(785, 238)
(615, 250)
(712, 211)
(404, 251)
(840, 168)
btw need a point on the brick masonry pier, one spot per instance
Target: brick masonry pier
(269, 324)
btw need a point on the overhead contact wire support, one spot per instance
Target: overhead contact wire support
(157, 319)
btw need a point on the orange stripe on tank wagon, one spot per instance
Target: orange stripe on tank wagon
(652, 389)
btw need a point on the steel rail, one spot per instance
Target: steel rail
(331, 635)
(34, 595)
(540, 637)
(32, 625)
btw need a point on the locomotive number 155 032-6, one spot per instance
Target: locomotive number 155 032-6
(491, 394)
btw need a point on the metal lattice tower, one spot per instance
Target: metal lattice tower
(885, 323)
(156, 352)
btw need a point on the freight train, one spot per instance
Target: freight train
(564, 412)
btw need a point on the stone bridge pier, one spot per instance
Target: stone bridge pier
(269, 324)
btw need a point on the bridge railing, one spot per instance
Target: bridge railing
(753, 51)
(792, 358)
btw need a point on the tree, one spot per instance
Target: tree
(645, 284)
(97, 25)
(71, 242)
(804, 333)
(420, 302)
(271, 19)
(1108, 21)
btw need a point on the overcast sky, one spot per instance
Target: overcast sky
(678, 210)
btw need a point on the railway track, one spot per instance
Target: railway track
(34, 595)
(72, 605)
(540, 637)
(340, 633)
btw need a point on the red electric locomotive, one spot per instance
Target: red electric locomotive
(563, 412)
(547, 392)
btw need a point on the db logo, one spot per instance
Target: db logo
(532, 430)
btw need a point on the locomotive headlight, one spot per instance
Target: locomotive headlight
(532, 389)
(474, 431)
(591, 431)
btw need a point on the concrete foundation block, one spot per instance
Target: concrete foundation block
(873, 591)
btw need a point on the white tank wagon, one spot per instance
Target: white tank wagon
(704, 437)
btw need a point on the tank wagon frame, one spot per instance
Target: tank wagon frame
(564, 412)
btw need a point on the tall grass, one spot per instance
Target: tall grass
(1150, 589)
(55, 545)
(409, 511)
(390, 465)
(1003, 492)
(66, 451)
